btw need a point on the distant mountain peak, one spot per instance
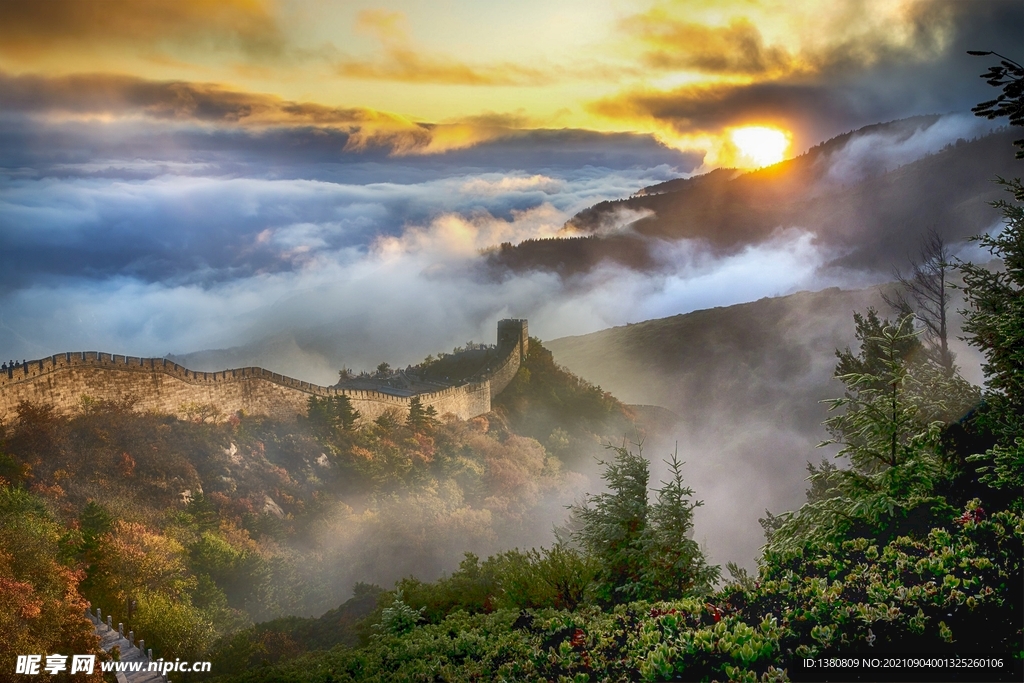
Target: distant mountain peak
(866, 196)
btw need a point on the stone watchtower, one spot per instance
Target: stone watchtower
(511, 331)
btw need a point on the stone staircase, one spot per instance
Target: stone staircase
(130, 649)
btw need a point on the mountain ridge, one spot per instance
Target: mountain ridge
(841, 191)
(748, 383)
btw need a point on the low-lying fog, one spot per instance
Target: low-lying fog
(305, 272)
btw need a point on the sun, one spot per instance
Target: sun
(760, 145)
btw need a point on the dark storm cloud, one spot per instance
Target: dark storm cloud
(895, 87)
(136, 150)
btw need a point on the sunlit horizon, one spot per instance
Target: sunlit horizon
(423, 82)
(759, 146)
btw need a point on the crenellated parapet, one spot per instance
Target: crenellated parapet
(160, 385)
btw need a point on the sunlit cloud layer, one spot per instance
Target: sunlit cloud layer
(806, 68)
(32, 30)
(312, 266)
(684, 70)
(402, 61)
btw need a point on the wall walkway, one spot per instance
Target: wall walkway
(129, 649)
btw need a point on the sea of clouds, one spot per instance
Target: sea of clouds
(306, 264)
(228, 250)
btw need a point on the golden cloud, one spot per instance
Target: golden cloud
(28, 29)
(407, 66)
(105, 94)
(699, 117)
(388, 26)
(401, 61)
(737, 48)
(110, 96)
(839, 35)
(708, 107)
(809, 88)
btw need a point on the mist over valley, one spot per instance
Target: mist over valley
(327, 289)
(646, 340)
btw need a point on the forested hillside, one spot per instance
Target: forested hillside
(766, 365)
(913, 542)
(871, 213)
(210, 526)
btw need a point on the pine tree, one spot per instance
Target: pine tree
(871, 358)
(994, 319)
(888, 425)
(332, 414)
(994, 323)
(643, 551)
(1009, 76)
(610, 526)
(94, 521)
(346, 415)
(879, 427)
(420, 419)
(674, 564)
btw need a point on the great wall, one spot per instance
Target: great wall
(159, 385)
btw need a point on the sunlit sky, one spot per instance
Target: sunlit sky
(684, 71)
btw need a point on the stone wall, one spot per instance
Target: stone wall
(162, 386)
(503, 374)
(512, 339)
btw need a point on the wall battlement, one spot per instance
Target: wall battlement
(160, 385)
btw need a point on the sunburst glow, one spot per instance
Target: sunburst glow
(760, 145)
